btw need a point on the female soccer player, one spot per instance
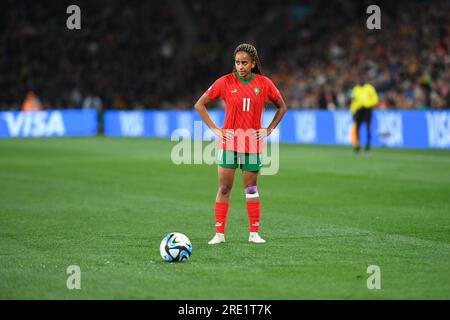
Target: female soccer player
(241, 138)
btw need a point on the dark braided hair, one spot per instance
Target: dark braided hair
(251, 50)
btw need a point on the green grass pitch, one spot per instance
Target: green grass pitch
(105, 204)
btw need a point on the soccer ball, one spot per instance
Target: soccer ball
(175, 247)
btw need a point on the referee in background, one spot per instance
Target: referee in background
(364, 98)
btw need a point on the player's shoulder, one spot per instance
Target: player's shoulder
(221, 82)
(226, 77)
(265, 81)
(263, 78)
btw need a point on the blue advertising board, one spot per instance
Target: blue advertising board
(401, 129)
(50, 123)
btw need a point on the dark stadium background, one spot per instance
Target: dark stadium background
(164, 54)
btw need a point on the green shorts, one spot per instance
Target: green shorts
(244, 161)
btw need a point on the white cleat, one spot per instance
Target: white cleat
(255, 238)
(218, 238)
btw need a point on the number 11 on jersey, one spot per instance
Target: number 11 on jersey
(246, 104)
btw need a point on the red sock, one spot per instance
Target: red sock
(221, 211)
(253, 213)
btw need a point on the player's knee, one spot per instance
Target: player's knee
(224, 190)
(251, 192)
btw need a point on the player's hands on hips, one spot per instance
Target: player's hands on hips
(262, 133)
(224, 134)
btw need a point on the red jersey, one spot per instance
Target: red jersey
(244, 103)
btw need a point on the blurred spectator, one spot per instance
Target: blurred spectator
(92, 102)
(31, 102)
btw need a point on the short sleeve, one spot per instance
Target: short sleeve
(215, 91)
(272, 92)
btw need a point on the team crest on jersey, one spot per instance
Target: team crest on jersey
(256, 90)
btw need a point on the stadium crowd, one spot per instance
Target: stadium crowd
(142, 54)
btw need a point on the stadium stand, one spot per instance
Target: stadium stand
(144, 55)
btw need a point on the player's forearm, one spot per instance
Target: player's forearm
(201, 109)
(277, 118)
